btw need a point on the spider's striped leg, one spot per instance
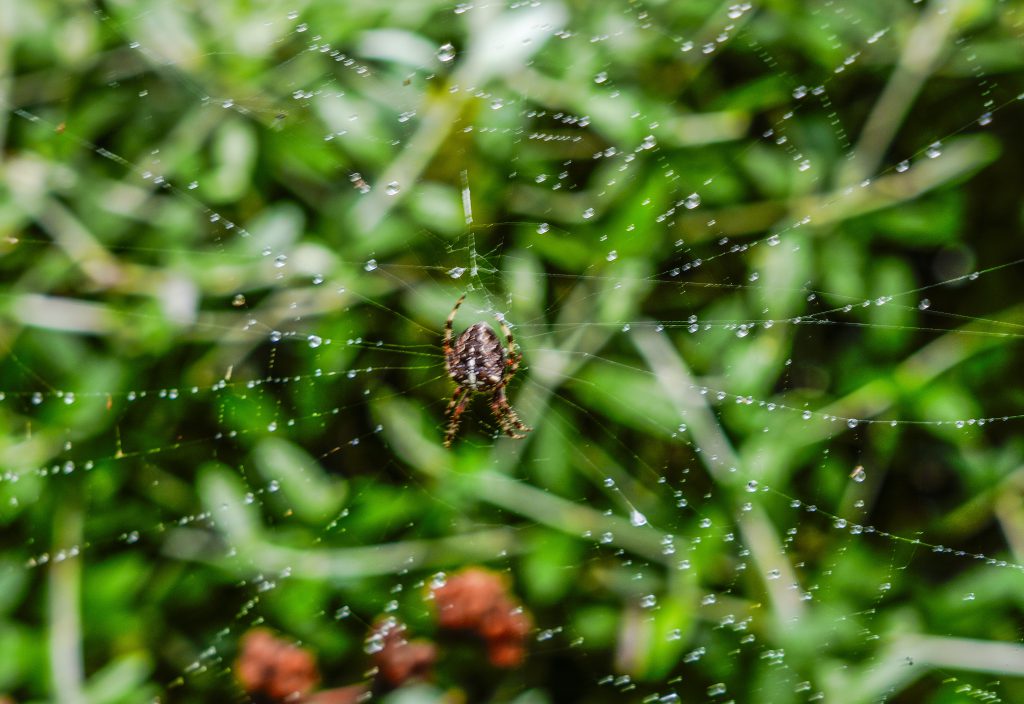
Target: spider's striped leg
(455, 408)
(448, 331)
(506, 416)
(513, 356)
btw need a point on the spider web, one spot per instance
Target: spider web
(752, 304)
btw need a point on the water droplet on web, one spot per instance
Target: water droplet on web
(612, 255)
(925, 304)
(543, 228)
(497, 104)
(903, 166)
(280, 260)
(456, 272)
(370, 265)
(588, 213)
(934, 150)
(601, 77)
(445, 53)
(806, 415)
(716, 690)
(275, 336)
(273, 486)
(238, 301)
(392, 188)
(752, 485)
(800, 92)
(314, 341)
(692, 201)
(637, 519)
(985, 119)
(858, 474)
(969, 596)
(649, 142)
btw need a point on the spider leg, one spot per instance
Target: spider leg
(506, 416)
(455, 408)
(448, 333)
(514, 356)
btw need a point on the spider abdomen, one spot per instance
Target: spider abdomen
(478, 359)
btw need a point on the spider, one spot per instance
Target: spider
(478, 364)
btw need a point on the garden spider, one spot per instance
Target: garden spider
(478, 364)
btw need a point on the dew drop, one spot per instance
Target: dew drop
(446, 53)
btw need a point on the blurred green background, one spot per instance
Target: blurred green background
(762, 261)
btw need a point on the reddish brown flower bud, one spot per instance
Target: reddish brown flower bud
(399, 660)
(466, 599)
(476, 600)
(274, 667)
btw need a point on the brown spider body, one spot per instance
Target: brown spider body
(478, 364)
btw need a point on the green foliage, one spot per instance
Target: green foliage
(229, 237)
